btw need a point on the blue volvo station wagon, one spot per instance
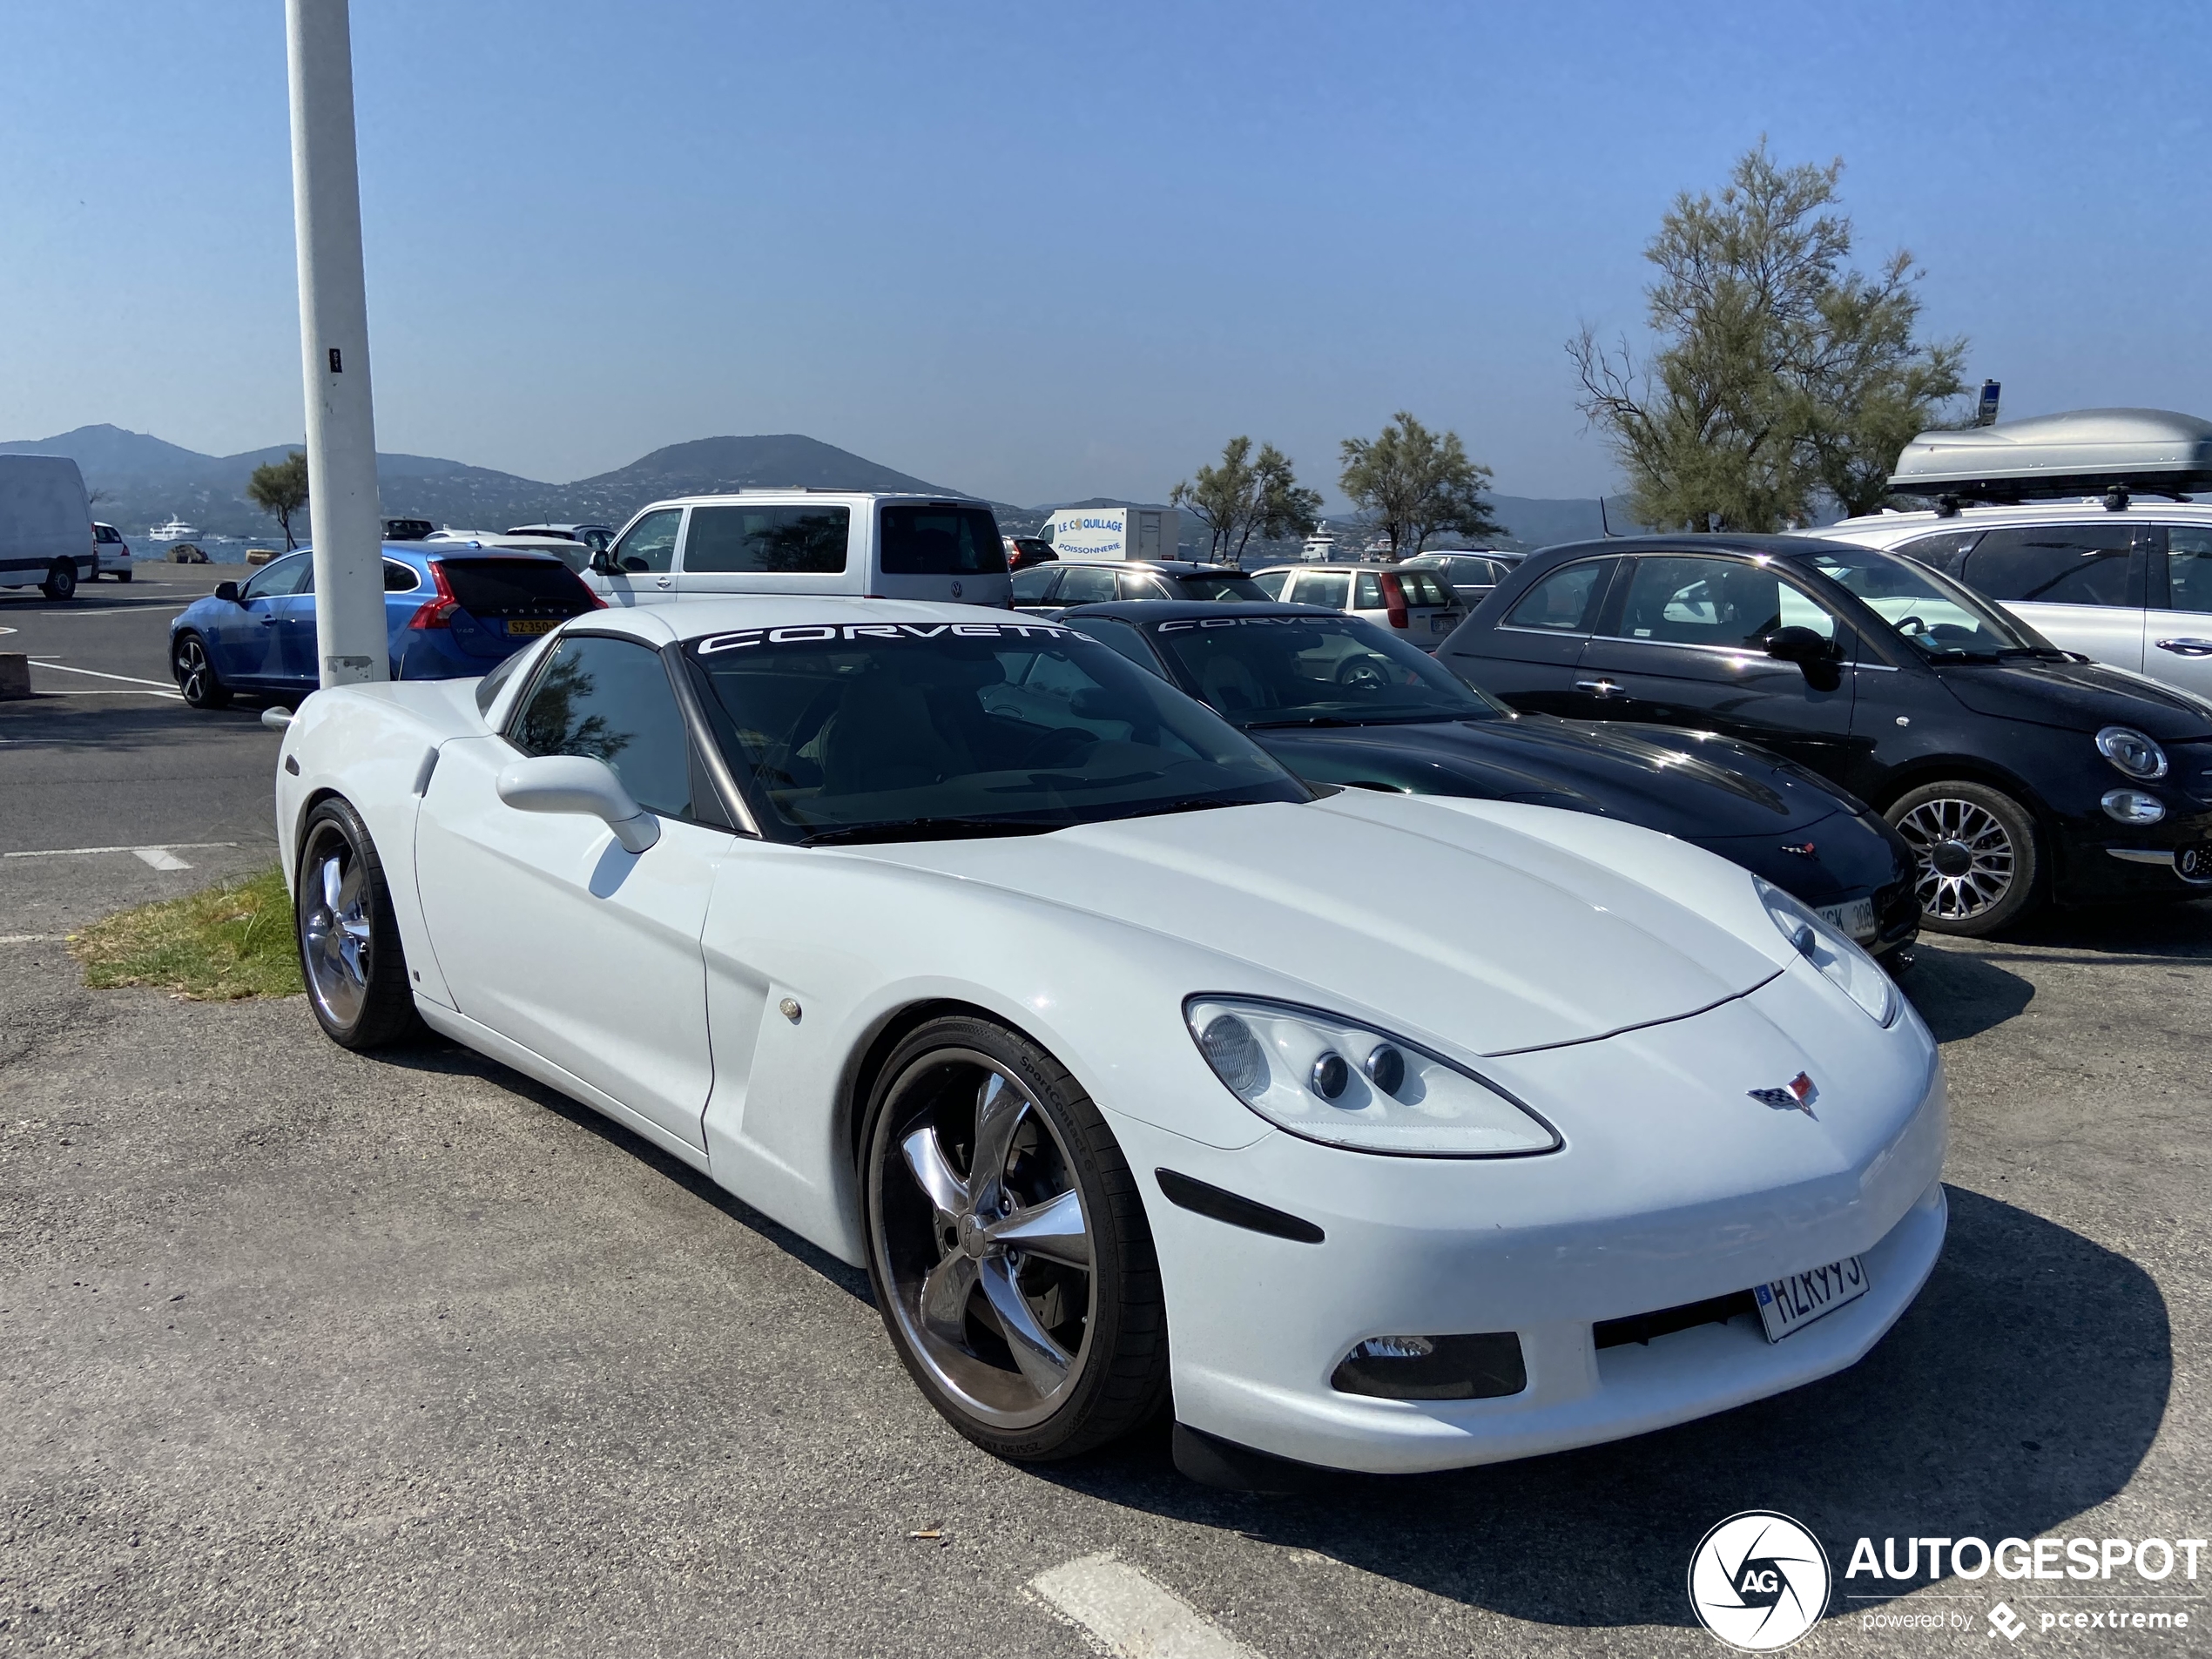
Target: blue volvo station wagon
(451, 613)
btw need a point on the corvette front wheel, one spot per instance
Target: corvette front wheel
(350, 941)
(1007, 1246)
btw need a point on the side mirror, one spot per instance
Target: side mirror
(603, 564)
(1800, 645)
(228, 590)
(578, 784)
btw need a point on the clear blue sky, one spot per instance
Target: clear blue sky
(1046, 252)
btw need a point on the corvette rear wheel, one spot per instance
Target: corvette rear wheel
(1007, 1246)
(196, 675)
(349, 942)
(1975, 855)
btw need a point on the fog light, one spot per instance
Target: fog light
(2133, 806)
(1484, 1366)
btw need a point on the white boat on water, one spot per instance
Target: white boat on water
(175, 531)
(1320, 547)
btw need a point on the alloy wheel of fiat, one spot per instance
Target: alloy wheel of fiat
(981, 1237)
(1966, 856)
(335, 929)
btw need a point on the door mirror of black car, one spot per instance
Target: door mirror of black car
(1801, 646)
(228, 590)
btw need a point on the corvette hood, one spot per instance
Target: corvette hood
(1434, 920)
(1681, 782)
(2076, 697)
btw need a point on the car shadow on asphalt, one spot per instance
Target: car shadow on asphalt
(2023, 1386)
(53, 721)
(2146, 933)
(435, 1054)
(1961, 993)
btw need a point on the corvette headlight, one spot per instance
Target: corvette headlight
(2132, 753)
(1350, 1085)
(1859, 975)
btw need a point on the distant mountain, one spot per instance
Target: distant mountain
(706, 466)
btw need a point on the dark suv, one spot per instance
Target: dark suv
(2014, 770)
(1049, 589)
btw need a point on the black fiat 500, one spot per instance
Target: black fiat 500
(2017, 771)
(1339, 701)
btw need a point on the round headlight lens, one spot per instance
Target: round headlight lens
(1839, 959)
(2134, 753)
(1289, 1065)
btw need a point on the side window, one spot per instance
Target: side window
(1031, 586)
(1136, 584)
(649, 548)
(1080, 585)
(611, 699)
(1271, 583)
(2068, 564)
(789, 541)
(398, 578)
(1697, 600)
(1561, 603)
(1330, 588)
(2188, 568)
(1120, 637)
(286, 575)
(1370, 594)
(1945, 550)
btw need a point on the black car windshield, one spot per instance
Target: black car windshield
(1221, 589)
(889, 731)
(1936, 614)
(1279, 671)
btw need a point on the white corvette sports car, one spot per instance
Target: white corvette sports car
(975, 955)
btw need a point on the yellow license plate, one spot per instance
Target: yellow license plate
(531, 625)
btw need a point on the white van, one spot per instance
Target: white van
(45, 525)
(852, 542)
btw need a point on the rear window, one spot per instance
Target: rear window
(516, 587)
(789, 541)
(1423, 588)
(1561, 602)
(1223, 589)
(941, 540)
(1030, 585)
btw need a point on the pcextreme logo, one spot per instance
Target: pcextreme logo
(1758, 1580)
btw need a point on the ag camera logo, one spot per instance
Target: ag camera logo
(1758, 1580)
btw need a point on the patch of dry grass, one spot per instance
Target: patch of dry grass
(219, 944)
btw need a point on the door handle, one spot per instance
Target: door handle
(268, 622)
(1596, 688)
(2187, 647)
(662, 581)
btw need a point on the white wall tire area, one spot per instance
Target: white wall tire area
(1976, 855)
(1008, 1244)
(350, 941)
(195, 673)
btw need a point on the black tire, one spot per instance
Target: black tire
(1977, 856)
(952, 1080)
(61, 581)
(195, 672)
(123, 575)
(350, 955)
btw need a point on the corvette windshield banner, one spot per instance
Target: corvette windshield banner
(832, 633)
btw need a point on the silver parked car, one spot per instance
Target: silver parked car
(1411, 601)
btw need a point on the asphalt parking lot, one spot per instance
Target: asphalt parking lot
(301, 1351)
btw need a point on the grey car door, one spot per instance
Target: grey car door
(2177, 625)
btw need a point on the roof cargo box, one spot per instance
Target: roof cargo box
(2153, 452)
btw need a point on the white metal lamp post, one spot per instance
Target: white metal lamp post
(351, 643)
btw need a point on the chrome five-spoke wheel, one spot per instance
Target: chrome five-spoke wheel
(1973, 850)
(1002, 1233)
(334, 934)
(349, 943)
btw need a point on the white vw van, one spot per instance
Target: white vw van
(852, 542)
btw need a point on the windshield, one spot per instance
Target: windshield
(1939, 615)
(1314, 670)
(913, 731)
(1225, 590)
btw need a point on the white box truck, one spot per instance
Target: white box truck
(1115, 532)
(45, 525)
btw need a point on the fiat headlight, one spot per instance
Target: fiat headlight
(1856, 974)
(2132, 753)
(1347, 1084)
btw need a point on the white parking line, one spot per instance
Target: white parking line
(160, 858)
(128, 680)
(87, 852)
(1132, 1613)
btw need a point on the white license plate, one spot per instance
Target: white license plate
(1854, 919)
(1440, 624)
(1787, 1305)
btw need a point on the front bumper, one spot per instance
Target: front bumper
(2100, 860)
(1693, 1192)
